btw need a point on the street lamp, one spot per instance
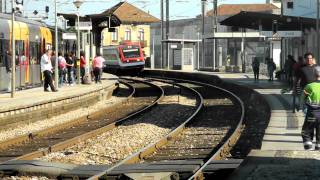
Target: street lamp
(78, 3)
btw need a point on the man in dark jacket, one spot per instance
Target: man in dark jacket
(7, 63)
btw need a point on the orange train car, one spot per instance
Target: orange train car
(32, 38)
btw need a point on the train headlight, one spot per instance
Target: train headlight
(127, 61)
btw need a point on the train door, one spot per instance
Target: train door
(34, 52)
(5, 77)
(46, 41)
(20, 59)
(22, 55)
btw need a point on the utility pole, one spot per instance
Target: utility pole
(167, 32)
(56, 72)
(13, 59)
(214, 16)
(317, 29)
(203, 3)
(162, 34)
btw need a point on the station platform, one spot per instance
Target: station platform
(282, 155)
(35, 103)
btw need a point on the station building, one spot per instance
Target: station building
(134, 27)
(122, 22)
(233, 47)
(308, 41)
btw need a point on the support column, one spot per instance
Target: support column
(317, 29)
(162, 35)
(243, 55)
(13, 54)
(167, 32)
(203, 31)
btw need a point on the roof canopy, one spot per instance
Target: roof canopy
(101, 20)
(252, 20)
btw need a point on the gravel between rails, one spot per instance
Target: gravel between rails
(26, 128)
(131, 136)
(205, 132)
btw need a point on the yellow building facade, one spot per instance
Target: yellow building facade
(133, 33)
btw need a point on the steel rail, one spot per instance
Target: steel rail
(75, 140)
(154, 146)
(28, 137)
(229, 142)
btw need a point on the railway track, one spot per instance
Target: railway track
(208, 136)
(164, 109)
(139, 132)
(199, 140)
(49, 140)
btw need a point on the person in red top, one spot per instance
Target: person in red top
(82, 66)
(97, 65)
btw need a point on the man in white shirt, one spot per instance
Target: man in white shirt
(46, 69)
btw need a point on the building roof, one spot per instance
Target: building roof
(232, 9)
(253, 20)
(127, 13)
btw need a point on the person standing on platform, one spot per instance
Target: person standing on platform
(255, 68)
(288, 68)
(312, 119)
(8, 65)
(62, 69)
(70, 68)
(46, 69)
(271, 68)
(296, 84)
(82, 66)
(305, 75)
(97, 65)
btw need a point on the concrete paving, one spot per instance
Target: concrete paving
(284, 126)
(282, 155)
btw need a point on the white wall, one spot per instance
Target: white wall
(276, 53)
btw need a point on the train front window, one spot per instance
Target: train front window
(110, 54)
(131, 52)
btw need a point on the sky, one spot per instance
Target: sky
(179, 9)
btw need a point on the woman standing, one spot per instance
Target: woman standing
(82, 66)
(97, 66)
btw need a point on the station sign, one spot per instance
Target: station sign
(69, 36)
(175, 46)
(84, 25)
(256, 34)
(281, 34)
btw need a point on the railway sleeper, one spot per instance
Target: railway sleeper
(189, 157)
(183, 152)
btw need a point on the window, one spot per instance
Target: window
(127, 36)
(141, 35)
(290, 5)
(19, 50)
(114, 35)
(35, 53)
